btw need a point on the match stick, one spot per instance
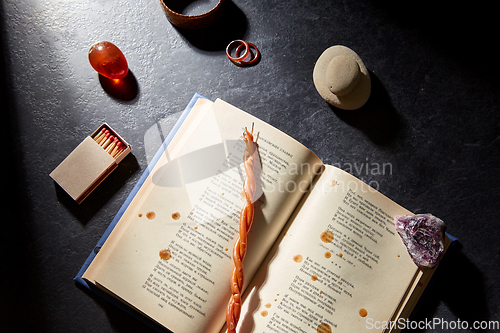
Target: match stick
(101, 137)
(116, 148)
(104, 138)
(108, 141)
(112, 145)
(100, 134)
(118, 152)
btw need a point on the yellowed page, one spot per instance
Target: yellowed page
(197, 113)
(190, 206)
(422, 279)
(339, 255)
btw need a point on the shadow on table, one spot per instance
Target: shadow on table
(378, 119)
(23, 292)
(125, 89)
(119, 318)
(231, 25)
(447, 24)
(460, 286)
(105, 191)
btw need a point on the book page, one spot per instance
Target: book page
(199, 110)
(338, 266)
(170, 256)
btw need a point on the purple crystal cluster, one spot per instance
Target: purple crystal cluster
(423, 235)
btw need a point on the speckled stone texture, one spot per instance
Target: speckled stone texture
(341, 78)
(428, 137)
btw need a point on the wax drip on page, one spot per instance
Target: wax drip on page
(250, 160)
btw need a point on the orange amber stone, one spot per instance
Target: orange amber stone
(108, 60)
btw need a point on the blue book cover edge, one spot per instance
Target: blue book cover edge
(79, 276)
(144, 176)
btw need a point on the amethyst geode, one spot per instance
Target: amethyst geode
(423, 235)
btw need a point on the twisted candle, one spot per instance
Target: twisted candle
(250, 158)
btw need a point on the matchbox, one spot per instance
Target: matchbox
(90, 162)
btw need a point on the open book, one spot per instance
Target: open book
(323, 254)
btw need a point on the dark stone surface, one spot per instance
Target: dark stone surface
(433, 117)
